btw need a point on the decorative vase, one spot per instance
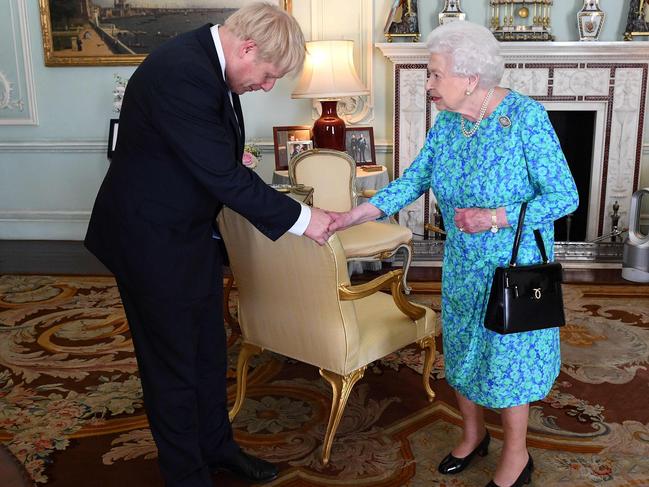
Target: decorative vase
(451, 12)
(590, 20)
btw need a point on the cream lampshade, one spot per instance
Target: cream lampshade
(329, 75)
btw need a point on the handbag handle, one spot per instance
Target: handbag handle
(517, 238)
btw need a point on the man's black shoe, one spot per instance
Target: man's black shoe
(247, 467)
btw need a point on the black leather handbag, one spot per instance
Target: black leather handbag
(525, 297)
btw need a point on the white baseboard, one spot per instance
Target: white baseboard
(43, 225)
(54, 146)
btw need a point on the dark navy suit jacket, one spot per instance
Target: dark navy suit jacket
(176, 163)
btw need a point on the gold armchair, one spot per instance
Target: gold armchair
(332, 175)
(295, 299)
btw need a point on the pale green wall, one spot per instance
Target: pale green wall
(50, 173)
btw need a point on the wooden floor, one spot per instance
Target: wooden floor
(48, 257)
(71, 257)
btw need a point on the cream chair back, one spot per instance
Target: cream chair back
(331, 174)
(288, 294)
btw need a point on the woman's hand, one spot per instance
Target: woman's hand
(362, 213)
(340, 221)
(476, 220)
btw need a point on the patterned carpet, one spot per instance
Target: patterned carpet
(71, 407)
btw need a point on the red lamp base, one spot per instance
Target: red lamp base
(329, 129)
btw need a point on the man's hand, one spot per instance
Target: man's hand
(318, 228)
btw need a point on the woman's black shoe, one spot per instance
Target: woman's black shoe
(451, 464)
(523, 479)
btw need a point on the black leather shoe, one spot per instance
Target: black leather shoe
(248, 468)
(523, 479)
(452, 465)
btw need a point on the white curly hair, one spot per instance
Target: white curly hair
(472, 50)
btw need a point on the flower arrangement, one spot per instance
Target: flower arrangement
(251, 155)
(118, 92)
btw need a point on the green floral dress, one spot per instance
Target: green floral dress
(514, 156)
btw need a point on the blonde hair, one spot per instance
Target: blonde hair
(473, 50)
(277, 34)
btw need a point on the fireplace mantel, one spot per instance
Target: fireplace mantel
(416, 52)
(609, 78)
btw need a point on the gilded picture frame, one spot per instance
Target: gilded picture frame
(637, 20)
(116, 33)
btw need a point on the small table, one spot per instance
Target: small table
(364, 179)
(299, 192)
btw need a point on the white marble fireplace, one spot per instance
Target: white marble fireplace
(608, 78)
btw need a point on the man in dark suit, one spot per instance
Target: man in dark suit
(176, 163)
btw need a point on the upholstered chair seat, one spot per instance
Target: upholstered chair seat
(373, 239)
(295, 299)
(332, 175)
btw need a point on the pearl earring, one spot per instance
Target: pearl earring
(468, 92)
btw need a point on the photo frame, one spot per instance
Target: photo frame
(297, 134)
(359, 144)
(91, 34)
(296, 147)
(112, 137)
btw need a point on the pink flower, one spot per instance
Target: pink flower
(249, 160)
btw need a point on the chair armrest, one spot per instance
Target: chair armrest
(350, 293)
(432, 228)
(367, 193)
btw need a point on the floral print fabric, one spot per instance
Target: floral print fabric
(514, 156)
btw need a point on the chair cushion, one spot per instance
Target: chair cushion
(383, 329)
(372, 238)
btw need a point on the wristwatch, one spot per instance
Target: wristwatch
(494, 222)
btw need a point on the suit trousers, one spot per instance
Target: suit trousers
(181, 350)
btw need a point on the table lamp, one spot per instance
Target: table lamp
(329, 75)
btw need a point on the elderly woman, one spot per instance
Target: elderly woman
(489, 150)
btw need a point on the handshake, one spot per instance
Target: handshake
(325, 223)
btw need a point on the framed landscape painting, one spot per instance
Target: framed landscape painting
(122, 32)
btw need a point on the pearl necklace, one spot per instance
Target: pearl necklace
(483, 110)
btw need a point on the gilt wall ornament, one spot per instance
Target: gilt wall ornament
(521, 20)
(590, 20)
(638, 20)
(402, 21)
(7, 99)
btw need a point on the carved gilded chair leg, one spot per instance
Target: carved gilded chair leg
(406, 266)
(248, 350)
(341, 386)
(428, 344)
(229, 282)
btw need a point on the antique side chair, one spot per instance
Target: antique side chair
(332, 175)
